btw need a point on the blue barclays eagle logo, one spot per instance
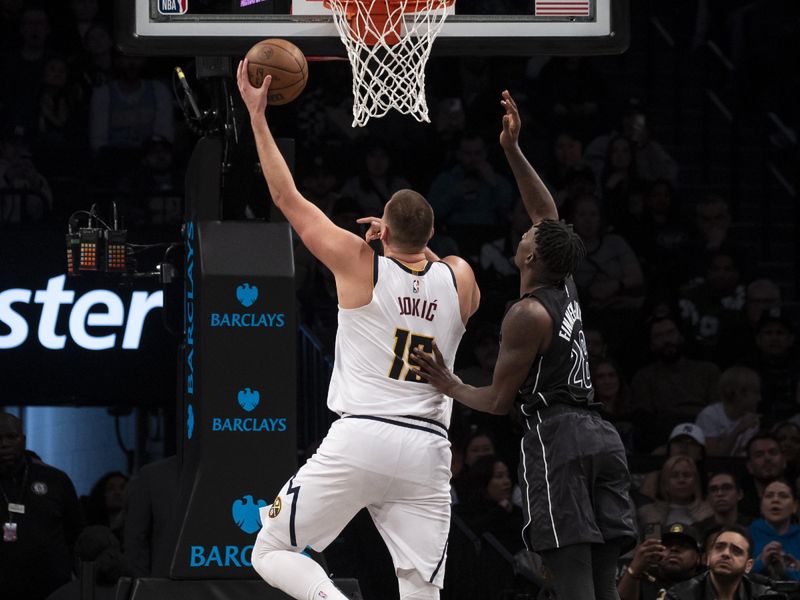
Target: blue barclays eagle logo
(247, 294)
(248, 399)
(245, 513)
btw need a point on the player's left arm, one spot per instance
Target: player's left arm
(525, 333)
(334, 246)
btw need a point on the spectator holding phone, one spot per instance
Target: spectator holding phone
(661, 561)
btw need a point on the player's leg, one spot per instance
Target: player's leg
(604, 567)
(414, 516)
(311, 510)
(414, 587)
(571, 567)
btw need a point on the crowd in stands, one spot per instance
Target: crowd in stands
(693, 352)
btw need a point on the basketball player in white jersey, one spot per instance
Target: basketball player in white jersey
(389, 452)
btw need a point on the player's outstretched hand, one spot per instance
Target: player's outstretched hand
(511, 122)
(255, 98)
(375, 231)
(433, 369)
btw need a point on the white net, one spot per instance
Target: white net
(388, 43)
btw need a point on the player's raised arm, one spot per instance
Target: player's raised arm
(332, 245)
(535, 195)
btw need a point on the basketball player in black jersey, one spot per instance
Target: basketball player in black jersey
(573, 472)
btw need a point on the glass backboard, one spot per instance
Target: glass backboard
(475, 27)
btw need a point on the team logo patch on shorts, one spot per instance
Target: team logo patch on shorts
(275, 509)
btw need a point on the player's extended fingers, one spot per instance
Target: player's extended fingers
(507, 96)
(369, 220)
(438, 354)
(423, 359)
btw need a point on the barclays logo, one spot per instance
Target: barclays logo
(248, 399)
(246, 514)
(247, 295)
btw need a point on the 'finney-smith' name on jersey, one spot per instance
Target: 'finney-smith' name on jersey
(561, 374)
(409, 309)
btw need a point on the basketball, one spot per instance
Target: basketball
(285, 62)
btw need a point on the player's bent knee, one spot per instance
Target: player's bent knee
(263, 552)
(414, 587)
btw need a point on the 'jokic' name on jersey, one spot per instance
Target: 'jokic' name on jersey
(414, 307)
(572, 314)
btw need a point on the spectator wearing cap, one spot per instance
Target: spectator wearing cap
(673, 388)
(660, 562)
(776, 361)
(776, 538)
(765, 463)
(679, 497)
(723, 495)
(729, 424)
(686, 439)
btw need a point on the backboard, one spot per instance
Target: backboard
(476, 27)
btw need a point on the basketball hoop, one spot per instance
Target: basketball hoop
(388, 43)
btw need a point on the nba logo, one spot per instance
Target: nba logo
(415, 286)
(173, 7)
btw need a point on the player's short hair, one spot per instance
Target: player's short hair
(558, 247)
(410, 219)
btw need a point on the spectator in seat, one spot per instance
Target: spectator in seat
(778, 365)
(730, 559)
(661, 562)
(730, 423)
(672, 388)
(106, 502)
(765, 463)
(653, 162)
(680, 496)
(737, 335)
(723, 495)
(609, 277)
(776, 537)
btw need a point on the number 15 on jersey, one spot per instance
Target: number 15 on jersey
(404, 341)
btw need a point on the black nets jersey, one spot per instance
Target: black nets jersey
(561, 374)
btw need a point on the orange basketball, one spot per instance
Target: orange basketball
(285, 62)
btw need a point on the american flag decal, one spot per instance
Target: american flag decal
(562, 8)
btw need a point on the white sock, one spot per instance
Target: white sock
(327, 591)
(297, 575)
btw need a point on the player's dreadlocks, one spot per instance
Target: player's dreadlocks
(558, 247)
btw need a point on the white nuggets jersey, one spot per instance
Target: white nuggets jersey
(409, 308)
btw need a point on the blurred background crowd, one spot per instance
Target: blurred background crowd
(676, 163)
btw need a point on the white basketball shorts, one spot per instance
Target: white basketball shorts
(398, 470)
